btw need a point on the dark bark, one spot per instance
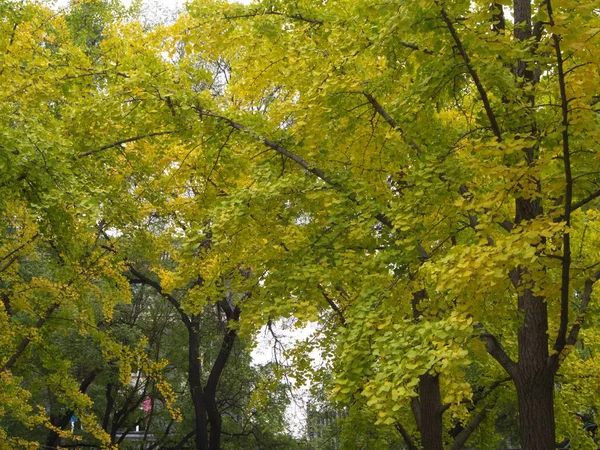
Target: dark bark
(195, 383)
(406, 436)
(463, 436)
(536, 411)
(533, 378)
(430, 405)
(474, 75)
(210, 391)
(110, 403)
(427, 409)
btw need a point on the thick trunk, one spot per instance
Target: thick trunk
(210, 391)
(430, 413)
(427, 410)
(194, 380)
(215, 425)
(536, 412)
(534, 379)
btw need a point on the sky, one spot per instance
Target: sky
(163, 6)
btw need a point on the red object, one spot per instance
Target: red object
(147, 405)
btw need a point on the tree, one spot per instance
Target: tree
(419, 177)
(478, 183)
(53, 270)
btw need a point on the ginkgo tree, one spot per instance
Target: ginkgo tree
(51, 268)
(447, 145)
(419, 177)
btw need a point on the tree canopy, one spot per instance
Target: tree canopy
(417, 178)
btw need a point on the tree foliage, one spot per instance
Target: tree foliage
(418, 177)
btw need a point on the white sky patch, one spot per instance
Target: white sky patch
(174, 5)
(270, 349)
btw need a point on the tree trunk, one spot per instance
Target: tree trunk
(196, 391)
(215, 426)
(427, 410)
(430, 412)
(536, 412)
(210, 392)
(533, 377)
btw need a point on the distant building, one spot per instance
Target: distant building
(323, 425)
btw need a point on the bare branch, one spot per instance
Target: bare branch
(415, 47)
(561, 338)
(276, 13)
(407, 439)
(391, 122)
(482, 92)
(495, 349)
(124, 141)
(333, 305)
(464, 435)
(585, 201)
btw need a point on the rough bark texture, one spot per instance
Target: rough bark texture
(430, 403)
(536, 412)
(533, 378)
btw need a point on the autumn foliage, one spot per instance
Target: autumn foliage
(418, 179)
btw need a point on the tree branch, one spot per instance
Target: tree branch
(506, 224)
(407, 439)
(391, 122)
(415, 47)
(27, 340)
(464, 435)
(224, 352)
(415, 407)
(297, 159)
(495, 349)
(585, 201)
(482, 92)
(158, 288)
(53, 439)
(11, 253)
(269, 143)
(276, 13)
(333, 305)
(123, 141)
(585, 301)
(561, 338)
(491, 389)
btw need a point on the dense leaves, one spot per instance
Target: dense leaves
(417, 178)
